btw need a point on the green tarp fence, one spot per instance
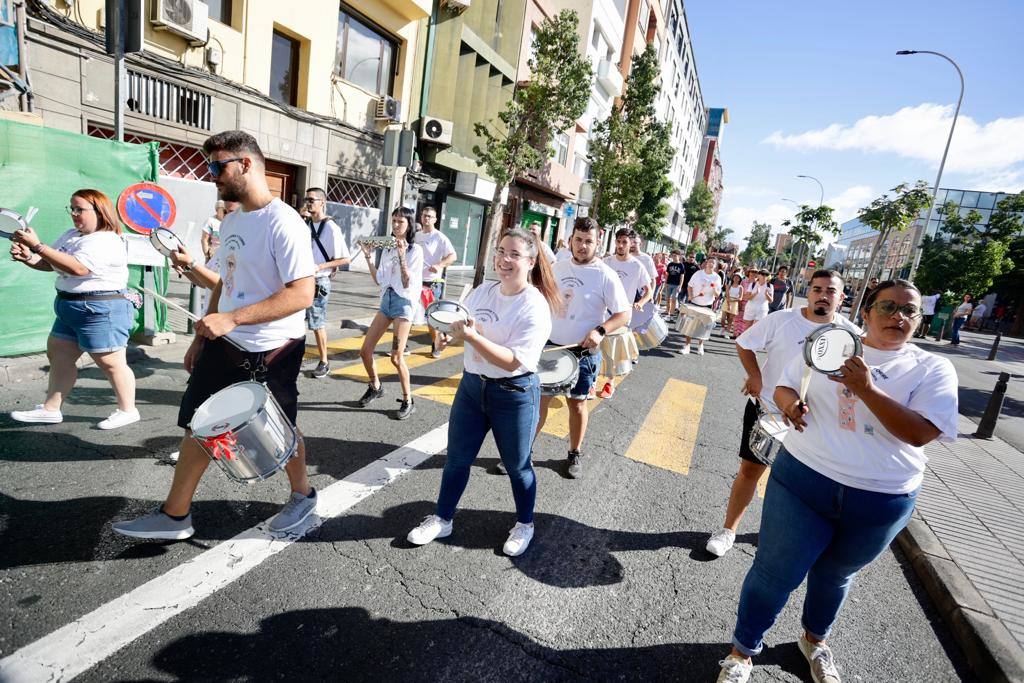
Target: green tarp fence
(42, 167)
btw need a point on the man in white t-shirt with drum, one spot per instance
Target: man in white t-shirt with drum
(644, 258)
(438, 254)
(703, 288)
(266, 283)
(330, 252)
(780, 337)
(635, 281)
(590, 292)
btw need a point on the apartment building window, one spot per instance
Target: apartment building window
(220, 10)
(284, 69)
(562, 147)
(641, 18)
(366, 55)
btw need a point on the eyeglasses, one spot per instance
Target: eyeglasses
(216, 166)
(310, 200)
(889, 308)
(510, 255)
(79, 210)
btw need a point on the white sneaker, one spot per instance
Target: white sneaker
(734, 670)
(430, 528)
(700, 348)
(721, 542)
(173, 457)
(819, 656)
(38, 414)
(119, 418)
(518, 539)
(686, 349)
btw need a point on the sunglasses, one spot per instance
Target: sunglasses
(216, 167)
(889, 308)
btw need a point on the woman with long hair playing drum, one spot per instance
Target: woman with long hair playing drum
(847, 477)
(510, 320)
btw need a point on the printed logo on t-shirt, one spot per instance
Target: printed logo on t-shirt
(486, 315)
(847, 409)
(231, 247)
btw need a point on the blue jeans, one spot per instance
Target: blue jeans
(316, 315)
(955, 334)
(510, 409)
(813, 527)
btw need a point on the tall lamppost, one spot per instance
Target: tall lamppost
(821, 200)
(942, 164)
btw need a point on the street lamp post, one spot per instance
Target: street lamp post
(942, 164)
(821, 200)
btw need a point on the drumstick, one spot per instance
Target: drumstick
(465, 293)
(561, 348)
(191, 316)
(32, 211)
(805, 382)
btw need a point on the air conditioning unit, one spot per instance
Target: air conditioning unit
(388, 109)
(436, 131)
(187, 18)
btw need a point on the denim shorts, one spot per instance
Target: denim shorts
(671, 290)
(589, 365)
(316, 315)
(96, 326)
(394, 306)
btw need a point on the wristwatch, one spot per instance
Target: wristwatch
(600, 330)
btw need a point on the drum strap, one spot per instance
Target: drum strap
(258, 362)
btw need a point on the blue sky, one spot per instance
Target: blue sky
(816, 88)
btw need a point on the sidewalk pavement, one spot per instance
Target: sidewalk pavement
(966, 543)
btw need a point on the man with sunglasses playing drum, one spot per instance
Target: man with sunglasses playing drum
(590, 290)
(780, 337)
(266, 284)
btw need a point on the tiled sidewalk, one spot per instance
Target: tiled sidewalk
(973, 501)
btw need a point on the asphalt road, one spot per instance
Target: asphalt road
(616, 585)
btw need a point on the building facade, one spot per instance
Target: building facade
(710, 162)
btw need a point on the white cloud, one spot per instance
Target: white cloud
(850, 201)
(920, 133)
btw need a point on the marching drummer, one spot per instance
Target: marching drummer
(438, 254)
(847, 477)
(645, 259)
(499, 392)
(702, 290)
(266, 283)
(780, 337)
(635, 281)
(400, 277)
(591, 291)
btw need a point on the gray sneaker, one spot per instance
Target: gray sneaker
(294, 512)
(156, 526)
(321, 370)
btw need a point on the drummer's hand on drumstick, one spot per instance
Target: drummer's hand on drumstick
(26, 236)
(215, 325)
(19, 252)
(752, 387)
(464, 330)
(592, 340)
(856, 376)
(180, 259)
(794, 414)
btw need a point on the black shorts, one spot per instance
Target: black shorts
(750, 415)
(217, 367)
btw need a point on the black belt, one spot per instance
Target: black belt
(506, 382)
(87, 296)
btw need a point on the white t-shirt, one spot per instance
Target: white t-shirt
(436, 246)
(564, 254)
(389, 273)
(735, 292)
(652, 270)
(781, 337)
(705, 287)
(261, 251)
(757, 307)
(521, 322)
(334, 243)
(963, 310)
(846, 442)
(631, 272)
(928, 304)
(104, 253)
(212, 228)
(979, 311)
(589, 292)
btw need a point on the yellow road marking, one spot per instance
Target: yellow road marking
(355, 371)
(349, 344)
(442, 392)
(669, 432)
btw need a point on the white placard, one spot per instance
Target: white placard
(142, 253)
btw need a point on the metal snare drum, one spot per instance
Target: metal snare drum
(243, 430)
(766, 437)
(441, 314)
(695, 322)
(618, 351)
(652, 334)
(558, 370)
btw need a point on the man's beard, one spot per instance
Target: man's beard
(229, 193)
(820, 310)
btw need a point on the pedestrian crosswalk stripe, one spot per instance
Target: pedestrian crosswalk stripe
(669, 432)
(357, 372)
(350, 344)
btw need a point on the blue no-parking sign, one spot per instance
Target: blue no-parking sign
(145, 207)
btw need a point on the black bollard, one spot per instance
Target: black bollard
(995, 406)
(995, 346)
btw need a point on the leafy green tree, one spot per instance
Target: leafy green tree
(699, 208)
(715, 239)
(888, 215)
(631, 153)
(806, 228)
(554, 98)
(758, 244)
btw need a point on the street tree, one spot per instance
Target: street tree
(715, 239)
(631, 153)
(758, 244)
(555, 96)
(807, 228)
(699, 208)
(888, 215)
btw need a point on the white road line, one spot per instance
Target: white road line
(73, 649)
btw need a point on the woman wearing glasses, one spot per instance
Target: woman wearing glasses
(93, 315)
(510, 321)
(846, 480)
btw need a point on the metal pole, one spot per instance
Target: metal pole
(987, 426)
(995, 345)
(942, 164)
(120, 72)
(821, 200)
